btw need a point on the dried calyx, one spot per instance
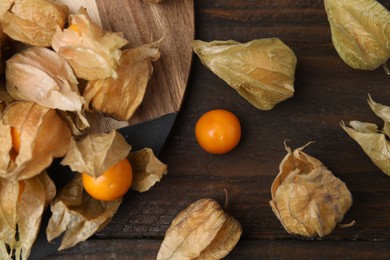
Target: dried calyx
(306, 197)
(360, 32)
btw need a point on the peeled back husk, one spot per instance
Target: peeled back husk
(374, 142)
(262, 71)
(201, 231)
(33, 22)
(22, 205)
(96, 153)
(41, 75)
(306, 197)
(360, 32)
(78, 215)
(92, 52)
(44, 135)
(120, 97)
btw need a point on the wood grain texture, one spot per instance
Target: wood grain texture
(142, 23)
(327, 91)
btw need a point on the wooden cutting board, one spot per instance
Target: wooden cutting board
(141, 23)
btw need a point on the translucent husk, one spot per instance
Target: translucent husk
(201, 231)
(43, 134)
(54, 84)
(96, 153)
(374, 142)
(120, 97)
(147, 169)
(21, 215)
(360, 32)
(78, 215)
(32, 22)
(262, 71)
(306, 197)
(92, 53)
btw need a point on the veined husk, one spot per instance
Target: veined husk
(78, 214)
(96, 153)
(33, 21)
(201, 231)
(41, 75)
(120, 97)
(262, 71)
(360, 32)
(43, 135)
(92, 53)
(154, 1)
(374, 142)
(306, 197)
(23, 214)
(147, 169)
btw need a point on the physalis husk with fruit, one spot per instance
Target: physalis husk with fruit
(78, 215)
(306, 197)
(262, 71)
(360, 32)
(22, 204)
(41, 75)
(120, 97)
(95, 153)
(374, 142)
(33, 21)
(201, 231)
(30, 136)
(92, 52)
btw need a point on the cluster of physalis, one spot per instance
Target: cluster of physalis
(56, 66)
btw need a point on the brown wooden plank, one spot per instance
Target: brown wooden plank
(260, 249)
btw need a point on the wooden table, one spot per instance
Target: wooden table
(327, 91)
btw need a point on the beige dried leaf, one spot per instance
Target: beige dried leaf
(306, 197)
(21, 214)
(262, 71)
(374, 142)
(33, 21)
(147, 169)
(92, 53)
(43, 136)
(78, 215)
(120, 97)
(95, 153)
(360, 32)
(201, 231)
(54, 85)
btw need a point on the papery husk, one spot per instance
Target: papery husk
(147, 169)
(78, 215)
(3, 38)
(374, 142)
(43, 134)
(201, 231)
(120, 97)
(33, 22)
(23, 214)
(41, 75)
(360, 32)
(92, 53)
(262, 71)
(96, 153)
(154, 1)
(306, 197)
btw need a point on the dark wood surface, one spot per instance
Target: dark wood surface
(327, 91)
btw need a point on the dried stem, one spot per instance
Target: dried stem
(386, 68)
(226, 205)
(348, 225)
